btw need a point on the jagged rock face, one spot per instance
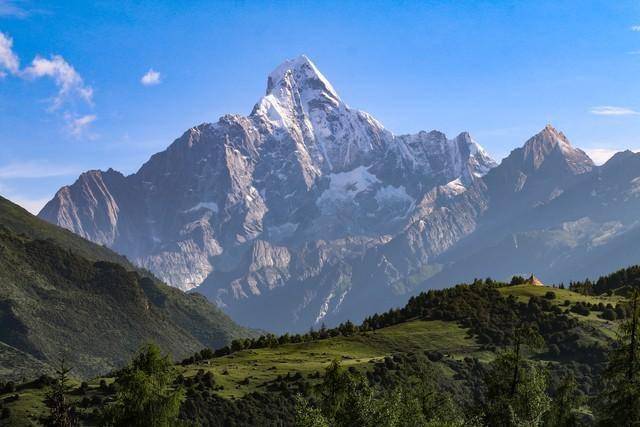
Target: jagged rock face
(565, 219)
(308, 211)
(298, 192)
(538, 172)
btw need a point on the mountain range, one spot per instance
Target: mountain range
(308, 211)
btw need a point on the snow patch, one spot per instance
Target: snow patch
(345, 186)
(635, 186)
(282, 230)
(324, 308)
(391, 195)
(454, 188)
(211, 206)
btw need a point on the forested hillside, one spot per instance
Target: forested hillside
(62, 296)
(476, 353)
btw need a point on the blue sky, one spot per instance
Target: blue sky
(72, 95)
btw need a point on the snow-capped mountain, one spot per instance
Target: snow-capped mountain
(250, 204)
(307, 210)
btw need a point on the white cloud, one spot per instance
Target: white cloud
(9, 8)
(78, 125)
(151, 78)
(601, 155)
(8, 59)
(34, 206)
(35, 169)
(608, 110)
(67, 79)
(635, 28)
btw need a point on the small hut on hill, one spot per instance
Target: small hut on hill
(534, 281)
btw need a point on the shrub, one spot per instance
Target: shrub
(84, 386)
(609, 314)
(581, 309)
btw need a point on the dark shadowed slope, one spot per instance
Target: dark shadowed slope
(61, 295)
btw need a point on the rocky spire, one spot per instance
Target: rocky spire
(549, 140)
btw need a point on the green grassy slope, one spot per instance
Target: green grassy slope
(462, 328)
(606, 327)
(61, 296)
(245, 373)
(524, 292)
(20, 221)
(251, 371)
(262, 366)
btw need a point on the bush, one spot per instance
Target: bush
(84, 386)
(609, 314)
(550, 295)
(581, 309)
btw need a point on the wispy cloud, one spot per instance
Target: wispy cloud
(11, 9)
(66, 78)
(608, 110)
(38, 171)
(151, 78)
(601, 155)
(35, 169)
(34, 206)
(77, 126)
(8, 59)
(68, 81)
(635, 28)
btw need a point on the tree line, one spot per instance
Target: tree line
(514, 389)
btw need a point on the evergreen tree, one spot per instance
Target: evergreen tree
(619, 401)
(347, 399)
(566, 401)
(420, 403)
(308, 416)
(516, 388)
(61, 412)
(146, 395)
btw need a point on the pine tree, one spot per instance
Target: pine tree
(308, 416)
(619, 401)
(61, 412)
(146, 393)
(566, 401)
(347, 399)
(516, 389)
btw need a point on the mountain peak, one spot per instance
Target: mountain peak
(549, 140)
(302, 102)
(301, 75)
(551, 135)
(294, 89)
